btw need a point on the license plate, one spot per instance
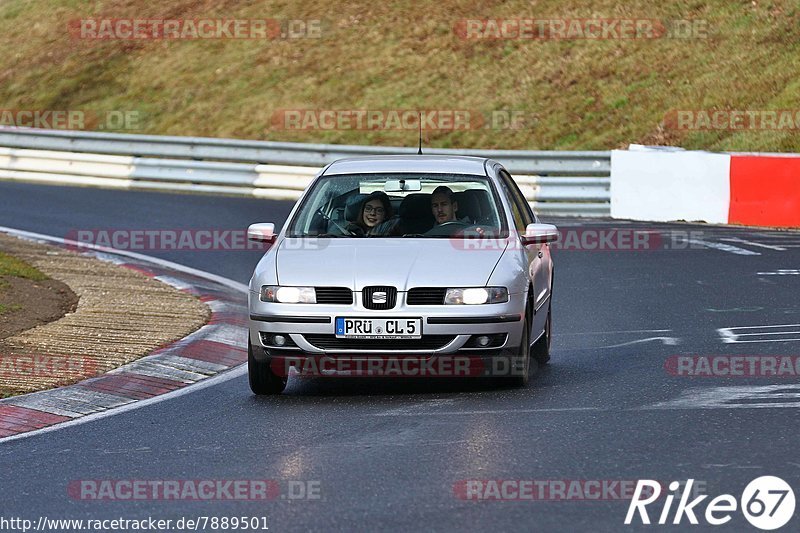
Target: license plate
(379, 328)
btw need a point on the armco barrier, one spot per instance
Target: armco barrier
(746, 189)
(556, 183)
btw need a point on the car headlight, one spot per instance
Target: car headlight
(476, 296)
(288, 295)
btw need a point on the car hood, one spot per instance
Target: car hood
(401, 263)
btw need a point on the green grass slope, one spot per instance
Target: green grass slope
(575, 94)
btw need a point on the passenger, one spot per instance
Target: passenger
(375, 209)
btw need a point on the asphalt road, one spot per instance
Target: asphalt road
(387, 454)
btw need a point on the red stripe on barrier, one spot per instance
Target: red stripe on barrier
(765, 191)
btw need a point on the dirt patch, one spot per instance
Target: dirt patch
(120, 316)
(31, 303)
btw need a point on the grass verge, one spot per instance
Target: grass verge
(572, 93)
(13, 267)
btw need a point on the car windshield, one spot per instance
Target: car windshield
(400, 205)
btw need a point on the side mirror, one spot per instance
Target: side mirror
(539, 234)
(264, 232)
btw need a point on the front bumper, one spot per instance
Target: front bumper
(447, 327)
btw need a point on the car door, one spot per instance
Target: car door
(538, 254)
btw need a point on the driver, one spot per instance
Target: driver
(443, 206)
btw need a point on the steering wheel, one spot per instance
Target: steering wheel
(447, 228)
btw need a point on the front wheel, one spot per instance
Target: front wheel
(541, 349)
(262, 379)
(521, 360)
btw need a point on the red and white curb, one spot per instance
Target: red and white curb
(217, 348)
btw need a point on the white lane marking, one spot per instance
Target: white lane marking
(751, 243)
(777, 234)
(234, 373)
(742, 334)
(612, 332)
(736, 397)
(400, 412)
(723, 247)
(735, 309)
(761, 340)
(764, 327)
(780, 272)
(735, 336)
(668, 341)
(768, 333)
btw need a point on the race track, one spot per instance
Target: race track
(388, 453)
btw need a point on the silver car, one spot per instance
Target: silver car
(391, 259)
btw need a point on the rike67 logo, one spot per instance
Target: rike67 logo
(767, 503)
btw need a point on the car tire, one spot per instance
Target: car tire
(541, 348)
(263, 380)
(522, 356)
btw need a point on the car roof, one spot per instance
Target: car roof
(434, 164)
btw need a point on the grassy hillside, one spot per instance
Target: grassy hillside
(583, 94)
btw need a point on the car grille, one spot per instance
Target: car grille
(334, 295)
(387, 300)
(330, 342)
(426, 296)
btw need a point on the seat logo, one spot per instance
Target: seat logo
(379, 297)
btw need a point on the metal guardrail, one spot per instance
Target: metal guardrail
(556, 183)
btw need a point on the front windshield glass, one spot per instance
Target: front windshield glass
(400, 205)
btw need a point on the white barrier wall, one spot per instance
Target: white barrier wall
(670, 185)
